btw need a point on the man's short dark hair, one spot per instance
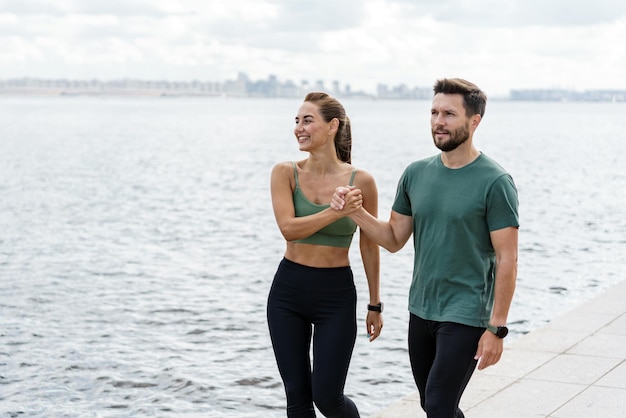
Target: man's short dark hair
(474, 99)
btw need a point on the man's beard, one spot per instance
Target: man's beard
(457, 137)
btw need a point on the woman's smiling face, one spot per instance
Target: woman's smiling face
(311, 129)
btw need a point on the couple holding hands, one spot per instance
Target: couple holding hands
(461, 208)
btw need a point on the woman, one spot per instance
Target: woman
(313, 288)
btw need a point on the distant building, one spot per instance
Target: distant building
(403, 92)
(562, 95)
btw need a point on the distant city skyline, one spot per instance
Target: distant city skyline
(271, 87)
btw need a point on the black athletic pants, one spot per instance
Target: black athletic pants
(442, 361)
(324, 299)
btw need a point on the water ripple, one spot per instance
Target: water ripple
(138, 245)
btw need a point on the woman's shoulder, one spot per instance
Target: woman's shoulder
(363, 178)
(284, 166)
(364, 174)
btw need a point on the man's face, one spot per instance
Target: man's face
(449, 122)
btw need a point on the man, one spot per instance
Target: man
(461, 207)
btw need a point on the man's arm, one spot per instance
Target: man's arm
(504, 242)
(391, 235)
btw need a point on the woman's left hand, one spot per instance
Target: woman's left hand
(374, 322)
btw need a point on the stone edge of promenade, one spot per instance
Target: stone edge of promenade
(571, 367)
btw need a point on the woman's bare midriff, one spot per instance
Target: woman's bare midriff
(317, 255)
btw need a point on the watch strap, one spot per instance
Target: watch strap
(499, 332)
(376, 308)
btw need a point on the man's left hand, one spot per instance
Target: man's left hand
(489, 351)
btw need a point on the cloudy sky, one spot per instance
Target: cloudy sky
(498, 44)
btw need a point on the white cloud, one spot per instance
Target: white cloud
(499, 44)
(506, 13)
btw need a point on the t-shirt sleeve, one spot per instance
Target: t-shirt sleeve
(402, 203)
(502, 207)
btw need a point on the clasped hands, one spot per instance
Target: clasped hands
(347, 199)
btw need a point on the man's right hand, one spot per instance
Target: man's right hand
(347, 199)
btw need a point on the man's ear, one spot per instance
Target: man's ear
(475, 121)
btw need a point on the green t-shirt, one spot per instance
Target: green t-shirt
(453, 212)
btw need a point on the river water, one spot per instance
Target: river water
(138, 244)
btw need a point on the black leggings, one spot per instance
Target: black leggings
(302, 297)
(442, 361)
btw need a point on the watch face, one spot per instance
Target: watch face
(502, 332)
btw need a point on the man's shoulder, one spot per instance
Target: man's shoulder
(424, 162)
(491, 164)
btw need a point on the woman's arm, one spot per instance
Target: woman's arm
(290, 226)
(370, 254)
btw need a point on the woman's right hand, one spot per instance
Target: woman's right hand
(347, 199)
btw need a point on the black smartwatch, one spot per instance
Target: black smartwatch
(376, 308)
(500, 332)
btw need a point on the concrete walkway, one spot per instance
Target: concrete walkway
(574, 367)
